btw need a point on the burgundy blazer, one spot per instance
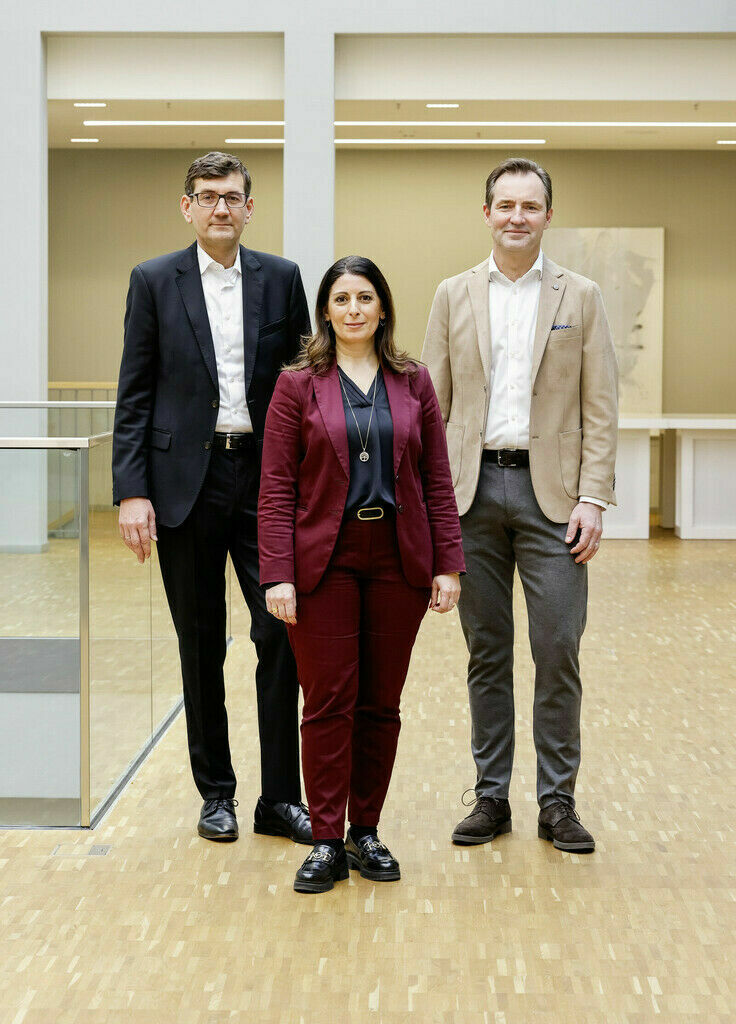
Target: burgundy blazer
(305, 476)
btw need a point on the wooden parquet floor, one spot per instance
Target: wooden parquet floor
(169, 929)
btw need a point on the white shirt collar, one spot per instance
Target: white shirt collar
(534, 271)
(206, 262)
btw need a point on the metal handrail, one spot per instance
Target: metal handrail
(58, 405)
(56, 442)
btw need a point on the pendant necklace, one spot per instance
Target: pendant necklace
(364, 456)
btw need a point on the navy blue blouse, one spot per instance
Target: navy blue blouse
(371, 482)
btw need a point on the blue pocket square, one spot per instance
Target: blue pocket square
(562, 327)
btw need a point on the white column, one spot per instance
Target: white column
(24, 252)
(23, 281)
(309, 154)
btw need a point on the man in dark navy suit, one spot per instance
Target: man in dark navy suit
(206, 332)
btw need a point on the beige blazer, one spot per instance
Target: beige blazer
(573, 427)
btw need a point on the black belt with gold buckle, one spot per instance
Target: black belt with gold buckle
(232, 442)
(508, 458)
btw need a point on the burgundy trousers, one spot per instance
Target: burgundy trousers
(352, 642)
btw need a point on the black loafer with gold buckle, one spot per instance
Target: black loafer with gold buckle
(374, 860)
(322, 868)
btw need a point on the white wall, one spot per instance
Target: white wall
(169, 67)
(512, 68)
(39, 753)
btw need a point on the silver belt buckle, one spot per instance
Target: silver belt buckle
(506, 458)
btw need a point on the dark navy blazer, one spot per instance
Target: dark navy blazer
(168, 392)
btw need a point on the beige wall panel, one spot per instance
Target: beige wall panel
(419, 216)
(172, 67)
(562, 67)
(108, 211)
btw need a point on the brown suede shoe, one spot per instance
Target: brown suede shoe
(489, 818)
(560, 825)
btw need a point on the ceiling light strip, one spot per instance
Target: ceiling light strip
(535, 124)
(90, 104)
(416, 124)
(403, 142)
(440, 142)
(183, 124)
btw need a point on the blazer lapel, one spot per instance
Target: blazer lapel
(189, 281)
(252, 300)
(329, 400)
(550, 296)
(397, 391)
(478, 288)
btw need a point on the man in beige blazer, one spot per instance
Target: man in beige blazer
(521, 356)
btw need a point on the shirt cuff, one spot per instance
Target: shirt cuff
(594, 501)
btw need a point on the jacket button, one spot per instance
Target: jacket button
(400, 510)
(207, 445)
(215, 403)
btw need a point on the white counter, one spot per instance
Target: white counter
(698, 476)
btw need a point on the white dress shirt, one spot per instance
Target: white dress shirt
(223, 297)
(513, 311)
(513, 308)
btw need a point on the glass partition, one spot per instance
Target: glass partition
(89, 662)
(40, 671)
(120, 701)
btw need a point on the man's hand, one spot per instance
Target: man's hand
(445, 592)
(137, 522)
(281, 602)
(588, 518)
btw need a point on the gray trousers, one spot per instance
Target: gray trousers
(503, 528)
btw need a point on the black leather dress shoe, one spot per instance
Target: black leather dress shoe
(489, 818)
(323, 867)
(282, 819)
(374, 860)
(560, 825)
(217, 820)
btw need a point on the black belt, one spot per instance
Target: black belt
(509, 458)
(370, 513)
(233, 442)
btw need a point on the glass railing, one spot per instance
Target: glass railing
(89, 665)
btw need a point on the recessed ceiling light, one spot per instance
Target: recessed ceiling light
(727, 142)
(90, 104)
(440, 142)
(253, 142)
(442, 106)
(84, 140)
(184, 124)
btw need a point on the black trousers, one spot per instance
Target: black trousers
(193, 558)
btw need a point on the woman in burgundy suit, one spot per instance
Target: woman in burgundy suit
(358, 533)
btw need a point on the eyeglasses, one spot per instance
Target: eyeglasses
(211, 199)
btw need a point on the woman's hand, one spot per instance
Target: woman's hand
(445, 592)
(281, 602)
